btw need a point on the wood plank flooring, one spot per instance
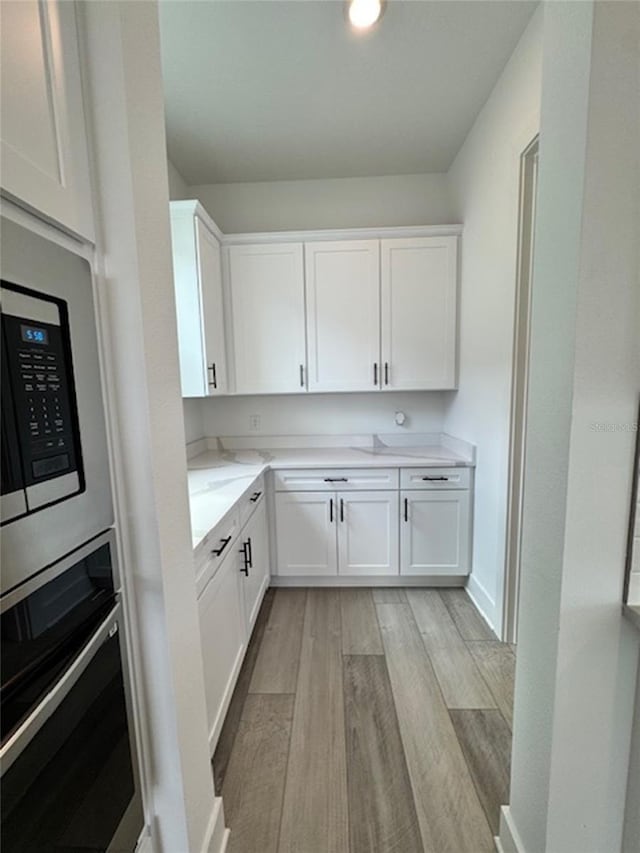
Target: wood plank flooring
(367, 721)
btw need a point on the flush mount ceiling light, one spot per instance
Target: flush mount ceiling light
(364, 13)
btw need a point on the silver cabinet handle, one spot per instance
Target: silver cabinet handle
(386, 373)
(302, 376)
(214, 378)
(375, 373)
(436, 479)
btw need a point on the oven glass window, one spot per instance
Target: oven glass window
(71, 789)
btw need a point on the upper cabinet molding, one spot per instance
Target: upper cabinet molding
(192, 207)
(43, 140)
(333, 234)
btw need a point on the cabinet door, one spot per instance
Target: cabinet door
(419, 291)
(223, 634)
(343, 315)
(266, 285)
(368, 533)
(210, 280)
(255, 562)
(306, 533)
(43, 144)
(435, 533)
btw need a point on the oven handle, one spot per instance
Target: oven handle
(30, 727)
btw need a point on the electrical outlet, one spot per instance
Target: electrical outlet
(254, 423)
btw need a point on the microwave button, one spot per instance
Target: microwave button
(52, 465)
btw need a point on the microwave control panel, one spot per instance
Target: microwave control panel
(39, 361)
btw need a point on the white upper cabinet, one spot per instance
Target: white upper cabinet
(343, 315)
(197, 275)
(44, 162)
(266, 289)
(419, 288)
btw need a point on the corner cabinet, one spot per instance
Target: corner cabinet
(266, 305)
(44, 163)
(197, 273)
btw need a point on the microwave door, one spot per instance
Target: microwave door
(13, 502)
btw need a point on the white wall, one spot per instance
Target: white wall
(577, 655)
(324, 414)
(178, 188)
(193, 410)
(484, 180)
(337, 203)
(631, 839)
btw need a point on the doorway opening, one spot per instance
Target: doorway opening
(520, 385)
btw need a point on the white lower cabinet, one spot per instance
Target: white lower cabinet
(305, 530)
(223, 633)
(368, 533)
(345, 533)
(435, 537)
(254, 563)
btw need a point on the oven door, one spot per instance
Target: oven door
(69, 775)
(60, 518)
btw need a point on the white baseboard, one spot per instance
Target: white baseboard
(215, 840)
(370, 580)
(482, 600)
(508, 841)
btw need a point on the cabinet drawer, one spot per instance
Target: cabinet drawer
(252, 501)
(336, 479)
(218, 544)
(435, 478)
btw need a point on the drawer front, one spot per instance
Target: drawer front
(336, 479)
(435, 478)
(252, 501)
(218, 544)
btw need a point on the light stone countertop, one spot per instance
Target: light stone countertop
(218, 479)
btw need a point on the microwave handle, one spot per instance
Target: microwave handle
(30, 727)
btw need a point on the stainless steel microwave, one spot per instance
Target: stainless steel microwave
(56, 491)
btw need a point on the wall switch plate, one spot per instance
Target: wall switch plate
(254, 423)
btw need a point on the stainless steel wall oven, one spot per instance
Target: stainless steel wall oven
(67, 754)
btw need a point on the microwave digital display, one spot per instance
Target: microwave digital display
(32, 335)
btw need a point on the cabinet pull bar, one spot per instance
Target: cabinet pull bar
(336, 479)
(215, 375)
(331, 510)
(212, 381)
(406, 509)
(225, 542)
(386, 373)
(375, 373)
(245, 569)
(436, 479)
(250, 544)
(302, 376)
(255, 496)
(341, 509)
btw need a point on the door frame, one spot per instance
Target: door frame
(519, 386)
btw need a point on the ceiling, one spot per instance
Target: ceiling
(266, 90)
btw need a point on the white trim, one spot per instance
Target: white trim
(369, 580)
(342, 234)
(508, 840)
(217, 835)
(144, 845)
(43, 228)
(192, 207)
(482, 600)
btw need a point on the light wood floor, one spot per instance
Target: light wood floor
(367, 721)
